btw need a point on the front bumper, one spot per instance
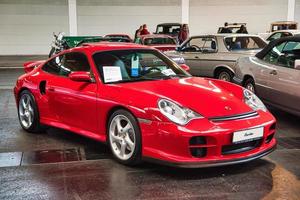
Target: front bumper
(214, 163)
(237, 80)
(170, 144)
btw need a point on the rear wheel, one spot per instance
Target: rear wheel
(250, 85)
(224, 75)
(28, 113)
(124, 137)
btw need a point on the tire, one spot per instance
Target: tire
(225, 75)
(28, 113)
(250, 85)
(124, 137)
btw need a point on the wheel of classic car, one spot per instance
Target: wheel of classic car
(224, 75)
(250, 85)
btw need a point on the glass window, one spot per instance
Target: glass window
(135, 65)
(64, 64)
(163, 40)
(168, 29)
(244, 43)
(284, 54)
(202, 44)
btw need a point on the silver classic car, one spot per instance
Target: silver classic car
(274, 74)
(215, 55)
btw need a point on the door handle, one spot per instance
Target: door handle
(196, 57)
(51, 89)
(273, 72)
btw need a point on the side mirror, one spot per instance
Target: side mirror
(185, 67)
(80, 76)
(297, 64)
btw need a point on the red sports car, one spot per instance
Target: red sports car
(144, 106)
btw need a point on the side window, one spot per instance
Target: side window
(203, 44)
(274, 36)
(284, 54)
(63, 65)
(53, 65)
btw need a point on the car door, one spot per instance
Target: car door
(284, 79)
(73, 102)
(198, 53)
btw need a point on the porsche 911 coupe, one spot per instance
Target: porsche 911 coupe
(144, 106)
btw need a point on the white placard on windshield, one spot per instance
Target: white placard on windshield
(111, 74)
(168, 72)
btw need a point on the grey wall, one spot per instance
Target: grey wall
(27, 25)
(124, 16)
(207, 16)
(297, 13)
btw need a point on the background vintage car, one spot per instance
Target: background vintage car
(274, 73)
(215, 55)
(159, 41)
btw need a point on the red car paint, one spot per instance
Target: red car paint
(84, 108)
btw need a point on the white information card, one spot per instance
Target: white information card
(112, 74)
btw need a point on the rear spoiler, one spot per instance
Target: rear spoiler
(29, 66)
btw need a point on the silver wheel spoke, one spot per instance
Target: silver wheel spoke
(116, 138)
(122, 149)
(23, 103)
(119, 127)
(129, 142)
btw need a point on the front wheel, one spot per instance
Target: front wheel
(28, 113)
(124, 137)
(250, 85)
(225, 75)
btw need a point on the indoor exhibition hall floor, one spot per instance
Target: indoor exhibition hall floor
(62, 165)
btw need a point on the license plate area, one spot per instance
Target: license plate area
(247, 135)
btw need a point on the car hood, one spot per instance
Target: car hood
(207, 97)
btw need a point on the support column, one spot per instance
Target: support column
(185, 11)
(72, 17)
(291, 10)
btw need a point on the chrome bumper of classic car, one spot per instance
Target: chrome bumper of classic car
(237, 80)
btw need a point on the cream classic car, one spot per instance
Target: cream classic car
(215, 55)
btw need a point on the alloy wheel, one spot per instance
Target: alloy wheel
(122, 137)
(225, 76)
(26, 112)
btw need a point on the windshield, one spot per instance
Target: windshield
(154, 41)
(135, 65)
(244, 43)
(168, 29)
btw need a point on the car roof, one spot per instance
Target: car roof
(169, 24)
(155, 36)
(226, 35)
(288, 30)
(273, 43)
(109, 46)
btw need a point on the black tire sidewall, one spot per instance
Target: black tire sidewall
(35, 126)
(137, 154)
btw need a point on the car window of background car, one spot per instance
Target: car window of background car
(135, 65)
(168, 29)
(64, 64)
(244, 43)
(284, 54)
(207, 44)
(150, 41)
(274, 36)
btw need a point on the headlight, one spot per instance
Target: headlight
(253, 101)
(176, 113)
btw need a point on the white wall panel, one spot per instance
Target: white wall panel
(297, 13)
(27, 25)
(116, 16)
(207, 16)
